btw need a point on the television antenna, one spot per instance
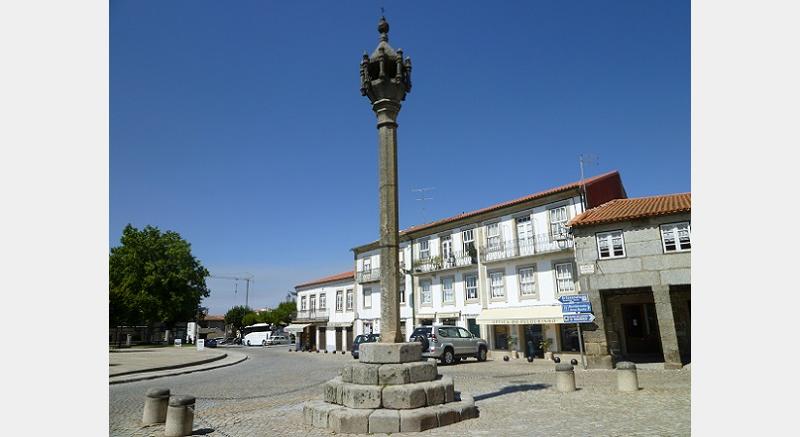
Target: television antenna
(423, 198)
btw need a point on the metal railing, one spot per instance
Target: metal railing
(374, 274)
(452, 261)
(315, 314)
(538, 244)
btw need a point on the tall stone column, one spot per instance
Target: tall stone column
(666, 327)
(385, 80)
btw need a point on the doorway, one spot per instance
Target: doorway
(533, 335)
(339, 339)
(641, 329)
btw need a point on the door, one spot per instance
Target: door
(349, 338)
(641, 329)
(339, 339)
(524, 235)
(533, 335)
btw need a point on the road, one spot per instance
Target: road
(263, 396)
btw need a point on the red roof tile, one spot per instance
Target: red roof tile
(567, 187)
(214, 318)
(332, 278)
(627, 209)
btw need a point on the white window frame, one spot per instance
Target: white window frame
(467, 287)
(562, 278)
(493, 287)
(449, 246)
(426, 252)
(366, 265)
(608, 237)
(674, 229)
(339, 300)
(558, 228)
(452, 291)
(466, 243)
(367, 292)
(402, 290)
(312, 302)
(323, 301)
(533, 290)
(493, 241)
(423, 293)
(349, 300)
(303, 303)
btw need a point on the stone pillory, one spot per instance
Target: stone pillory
(390, 389)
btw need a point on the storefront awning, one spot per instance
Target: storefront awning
(448, 315)
(535, 315)
(295, 327)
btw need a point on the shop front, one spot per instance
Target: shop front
(526, 329)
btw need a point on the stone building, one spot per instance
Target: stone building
(634, 262)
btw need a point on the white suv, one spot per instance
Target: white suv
(449, 343)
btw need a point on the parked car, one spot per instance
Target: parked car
(210, 342)
(363, 338)
(278, 339)
(449, 343)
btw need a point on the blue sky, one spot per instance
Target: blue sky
(240, 124)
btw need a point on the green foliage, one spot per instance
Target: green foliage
(513, 340)
(235, 315)
(250, 318)
(282, 315)
(545, 343)
(153, 277)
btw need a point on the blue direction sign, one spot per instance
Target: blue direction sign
(579, 318)
(576, 307)
(574, 298)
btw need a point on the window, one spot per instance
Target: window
(425, 292)
(312, 305)
(448, 296)
(367, 266)
(339, 299)
(468, 238)
(610, 244)
(471, 286)
(350, 299)
(302, 303)
(493, 236)
(463, 333)
(558, 222)
(447, 247)
(524, 235)
(564, 281)
(424, 250)
(402, 290)
(367, 298)
(496, 285)
(676, 237)
(322, 301)
(527, 281)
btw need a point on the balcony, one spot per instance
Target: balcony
(371, 275)
(316, 315)
(536, 245)
(438, 263)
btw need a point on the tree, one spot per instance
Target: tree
(154, 278)
(283, 314)
(235, 316)
(250, 318)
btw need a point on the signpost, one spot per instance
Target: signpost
(576, 308)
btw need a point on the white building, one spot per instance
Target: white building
(325, 313)
(496, 271)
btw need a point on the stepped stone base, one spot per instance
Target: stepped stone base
(392, 390)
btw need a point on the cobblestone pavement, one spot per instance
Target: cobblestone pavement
(263, 396)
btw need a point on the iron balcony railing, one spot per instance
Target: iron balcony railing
(450, 261)
(374, 274)
(313, 315)
(538, 244)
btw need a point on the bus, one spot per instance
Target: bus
(256, 335)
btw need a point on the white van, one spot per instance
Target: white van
(256, 335)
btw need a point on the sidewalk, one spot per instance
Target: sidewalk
(136, 364)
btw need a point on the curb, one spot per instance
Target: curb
(179, 370)
(174, 366)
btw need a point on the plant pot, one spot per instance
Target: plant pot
(548, 355)
(516, 355)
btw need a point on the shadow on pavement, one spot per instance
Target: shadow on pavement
(202, 431)
(511, 389)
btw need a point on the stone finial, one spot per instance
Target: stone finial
(383, 29)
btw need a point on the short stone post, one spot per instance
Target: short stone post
(565, 377)
(627, 380)
(155, 406)
(128, 340)
(180, 416)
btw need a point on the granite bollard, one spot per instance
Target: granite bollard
(155, 406)
(627, 379)
(565, 377)
(180, 416)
